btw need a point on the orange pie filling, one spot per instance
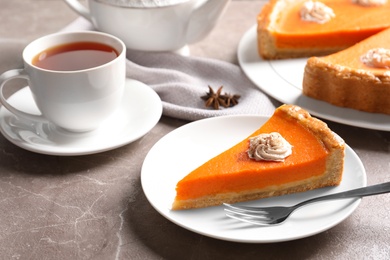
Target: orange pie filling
(352, 23)
(237, 172)
(351, 58)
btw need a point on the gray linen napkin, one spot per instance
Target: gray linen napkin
(180, 82)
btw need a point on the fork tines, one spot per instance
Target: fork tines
(255, 216)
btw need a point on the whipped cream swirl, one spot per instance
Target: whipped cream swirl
(316, 12)
(269, 147)
(370, 2)
(377, 58)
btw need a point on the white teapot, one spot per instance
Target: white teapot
(153, 25)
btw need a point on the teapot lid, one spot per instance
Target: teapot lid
(142, 3)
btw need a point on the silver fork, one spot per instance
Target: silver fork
(266, 216)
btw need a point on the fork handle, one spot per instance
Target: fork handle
(360, 192)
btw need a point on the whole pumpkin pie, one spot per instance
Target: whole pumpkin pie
(292, 152)
(302, 28)
(357, 77)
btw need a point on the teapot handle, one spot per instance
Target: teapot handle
(199, 4)
(79, 8)
(204, 17)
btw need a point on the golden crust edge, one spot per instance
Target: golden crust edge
(345, 87)
(325, 180)
(319, 128)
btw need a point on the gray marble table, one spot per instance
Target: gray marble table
(93, 207)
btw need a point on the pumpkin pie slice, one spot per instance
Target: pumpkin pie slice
(303, 28)
(357, 77)
(292, 152)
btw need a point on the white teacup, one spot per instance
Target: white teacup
(76, 100)
(153, 25)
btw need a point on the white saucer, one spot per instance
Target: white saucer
(167, 163)
(282, 80)
(139, 112)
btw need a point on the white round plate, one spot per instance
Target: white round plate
(139, 112)
(282, 80)
(184, 149)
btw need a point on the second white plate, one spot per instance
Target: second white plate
(182, 150)
(282, 80)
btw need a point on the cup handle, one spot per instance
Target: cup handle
(6, 76)
(79, 8)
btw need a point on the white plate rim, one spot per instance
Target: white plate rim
(267, 77)
(125, 133)
(160, 190)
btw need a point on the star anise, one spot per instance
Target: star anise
(214, 99)
(230, 99)
(217, 99)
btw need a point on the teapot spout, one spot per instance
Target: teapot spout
(204, 18)
(79, 8)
